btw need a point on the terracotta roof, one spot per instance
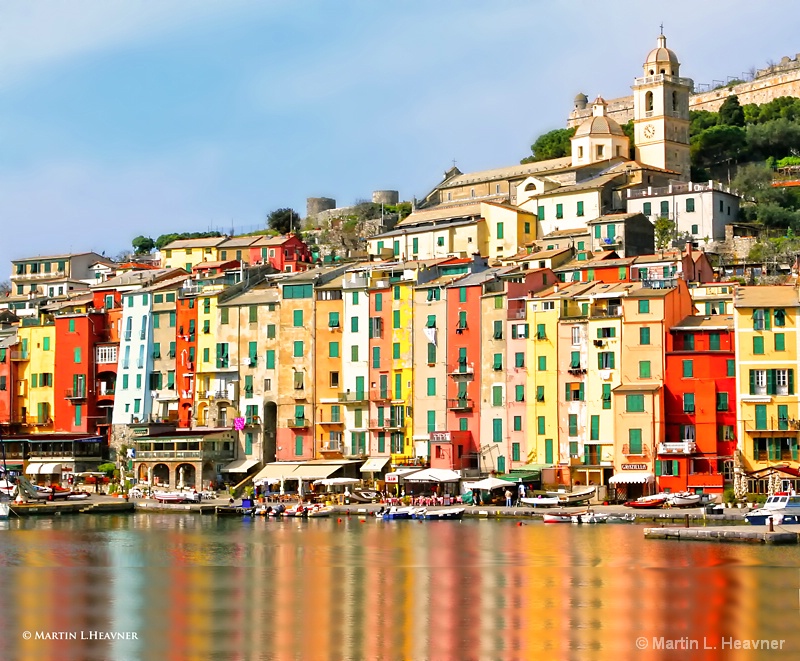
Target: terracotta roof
(560, 234)
(710, 322)
(598, 125)
(590, 184)
(766, 296)
(613, 218)
(542, 254)
(202, 266)
(442, 212)
(208, 242)
(510, 172)
(39, 258)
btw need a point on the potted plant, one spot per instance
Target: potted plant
(729, 497)
(247, 499)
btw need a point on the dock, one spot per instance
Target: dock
(736, 534)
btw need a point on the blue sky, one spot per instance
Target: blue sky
(120, 118)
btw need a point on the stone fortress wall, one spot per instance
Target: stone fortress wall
(781, 79)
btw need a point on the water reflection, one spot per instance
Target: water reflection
(193, 587)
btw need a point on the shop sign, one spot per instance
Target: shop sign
(634, 467)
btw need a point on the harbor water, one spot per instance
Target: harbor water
(185, 586)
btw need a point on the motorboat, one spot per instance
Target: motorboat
(447, 514)
(572, 497)
(395, 513)
(589, 517)
(78, 495)
(365, 496)
(172, 496)
(319, 511)
(649, 502)
(684, 499)
(782, 507)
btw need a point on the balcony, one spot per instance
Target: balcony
(460, 404)
(20, 355)
(298, 423)
(517, 311)
(665, 78)
(660, 283)
(332, 446)
(462, 370)
(380, 395)
(644, 451)
(687, 446)
(352, 397)
(75, 393)
(608, 311)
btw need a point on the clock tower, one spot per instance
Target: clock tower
(661, 112)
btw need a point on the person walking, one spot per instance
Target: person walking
(509, 495)
(521, 494)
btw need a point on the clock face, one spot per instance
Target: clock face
(649, 131)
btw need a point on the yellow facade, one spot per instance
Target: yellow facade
(541, 361)
(36, 354)
(767, 339)
(402, 361)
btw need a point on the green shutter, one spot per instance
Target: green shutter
(540, 423)
(780, 342)
(271, 359)
(594, 428)
(761, 416)
(548, 449)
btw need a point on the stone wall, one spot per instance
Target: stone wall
(782, 79)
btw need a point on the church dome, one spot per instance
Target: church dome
(661, 55)
(599, 124)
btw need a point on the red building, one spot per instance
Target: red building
(287, 254)
(602, 267)
(463, 364)
(8, 338)
(699, 407)
(186, 352)
(75, 382)
(105, 356)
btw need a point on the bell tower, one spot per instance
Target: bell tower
(661, 112)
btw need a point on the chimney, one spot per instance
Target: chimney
(555, 288)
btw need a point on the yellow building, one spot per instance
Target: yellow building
(35, 354)
(329, 428)
(765, 320)
(188, 253)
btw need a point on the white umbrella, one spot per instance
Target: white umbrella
(434, 475)
(299, 488)
(180, 478)
(332, 481)
(487, 484)
(283, 492)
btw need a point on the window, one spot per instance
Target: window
(782, 382)
(396, 351)
(759, 320)
(333, 349)
(644, 369)
(431, 421)
(688, 369)
(299, 352)
(355, 298)
(431, 323)
(334, 380)
(76, 355)
(574, 360)
(517, 424)
(376, 357)
(665, 209)
(606, 396)
(580, 209)
(431, 353)
(298, 445)
(758, 345)
(761, 416)
(271, 359)
(634, 403)
(431, 387)
(500, 230)
(497, 430)
(713, 341)
(573, 425)
(688, 402)
(498, 330)
(526, 228)
(497, 363)
(539, 393)
(634, 441)
(540, 425)
(440, 241)
(519, 331)
(396, 319)
(594, 428)
(780, 342)
(71, 325)
(780, 317)
(542, 363)
(519, 393)
(415, 245)
(540, 332)
(354, 324)
(731, 368)
(497, 395)
(688, 342)
(605, 360)
(722, 401)
(224, 316)
(647, 209)
(758, 382)
(462, 294)
(559, 211)
(574, 392)
(396, 292)
(519, 359)
(644, 306)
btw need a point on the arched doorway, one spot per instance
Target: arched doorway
(161, 475)
(185, 476)
(141, 474)
(209, 474)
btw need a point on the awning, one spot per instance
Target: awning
(400, 474)
(43, 469)
(522, 476)
(434, 475)
(375, 464)
(240, 466)
(275, 470)
(314, 471)
(631, 477)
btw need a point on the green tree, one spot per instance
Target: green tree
(700, 120)
(284, 220)
(777, 138)
(554, 144)
(166, 239)
(143, 245)
(718, 144)
(664, 232)
(731, 112)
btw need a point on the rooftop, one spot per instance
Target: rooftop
(768, 296)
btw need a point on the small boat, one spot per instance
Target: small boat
(319, 511)
(396, 513)
(557, 518)
(628, 517)
(572, 497)
(4, 510)
(449, 514)
(365, 496)
(233, 510)
(649, 502)
(684, 499)
(540, 501)
(589, 517)
(170, 496)
(781, 507)
(78, 495)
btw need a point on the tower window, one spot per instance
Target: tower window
(580, 152)
(599, 151)
(648, 101)
(675, 101)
